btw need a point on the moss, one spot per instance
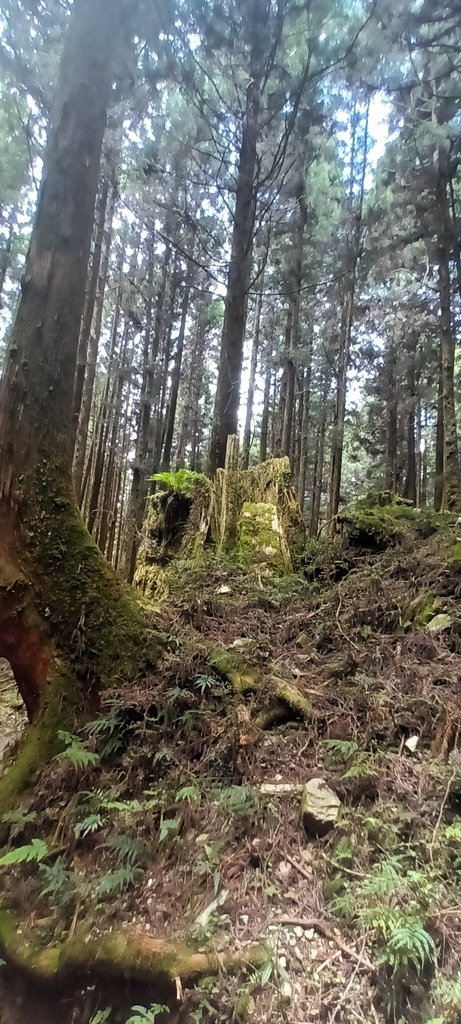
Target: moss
(260, 537)
(95, 620)
(377, 527)
(241, 676)
(61, 709)
(422, 610)
(454, 557)
(129, 954)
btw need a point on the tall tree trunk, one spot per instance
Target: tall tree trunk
(92, 353)
(319, 461)
(304, 434)
(252, 375)
(227, 400)
(451, 467)
(139, 482)
(90, 298)
(294, 337)
(439, 445)
(347, 320)
(174, 386)
(263, 441)
(392, 409)
(409, 487)
(59, 599)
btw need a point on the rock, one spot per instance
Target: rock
(285, 990)
(319, 807)
(299, 932)
(284, 870)
(440, 622)
(224, 589)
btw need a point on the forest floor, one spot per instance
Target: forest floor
(177, 811)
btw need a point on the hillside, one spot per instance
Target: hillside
(173, 823)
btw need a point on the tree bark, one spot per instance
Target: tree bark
(451, 468)
(90, 298)
(63, 614)
(252, 375)
(347, 320)
(227, 400)
(174, 386)
(409, 487)
(92, 352)
(263, 441)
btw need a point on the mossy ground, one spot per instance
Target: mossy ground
(169, 831)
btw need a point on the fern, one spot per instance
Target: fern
(190, 793)
(88, 825)
(75, 751)
(18, 818)
(36, 850)
(236, 799)
(59, 882)
(118, 880)
(407, 944)
(128, 850)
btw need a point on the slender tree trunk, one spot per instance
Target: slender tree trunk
(174, 386)
(319, 462)
(451, 467)
(409, 487)
(263, 442)
(144, 441)
(439, 445)
(90, 298)
(92, 354)
(392, 410)
(100, 464)
(252, 375)
(304, 437)
(227, 401)
(347, 320)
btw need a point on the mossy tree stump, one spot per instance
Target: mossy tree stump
(250, 516)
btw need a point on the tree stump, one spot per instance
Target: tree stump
(250, 516)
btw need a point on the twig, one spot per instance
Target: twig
(323, 929)
(299, 867)
(346, 637)
(347, 871)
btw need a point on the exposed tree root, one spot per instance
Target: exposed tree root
(248, 678)
(130, 954)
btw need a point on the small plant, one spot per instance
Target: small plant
(359, 763)
(36, 850)
(101, 1016)
(75, 751)
(88, 825)
(61, 885)
(147, 1014)
(129, 850)
(18, 818)
(241, 800)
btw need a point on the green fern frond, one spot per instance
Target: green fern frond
(36, 850)
(75, 751)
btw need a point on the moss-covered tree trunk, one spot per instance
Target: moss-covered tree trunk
(64, 618)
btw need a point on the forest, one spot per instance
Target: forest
(230, 511)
